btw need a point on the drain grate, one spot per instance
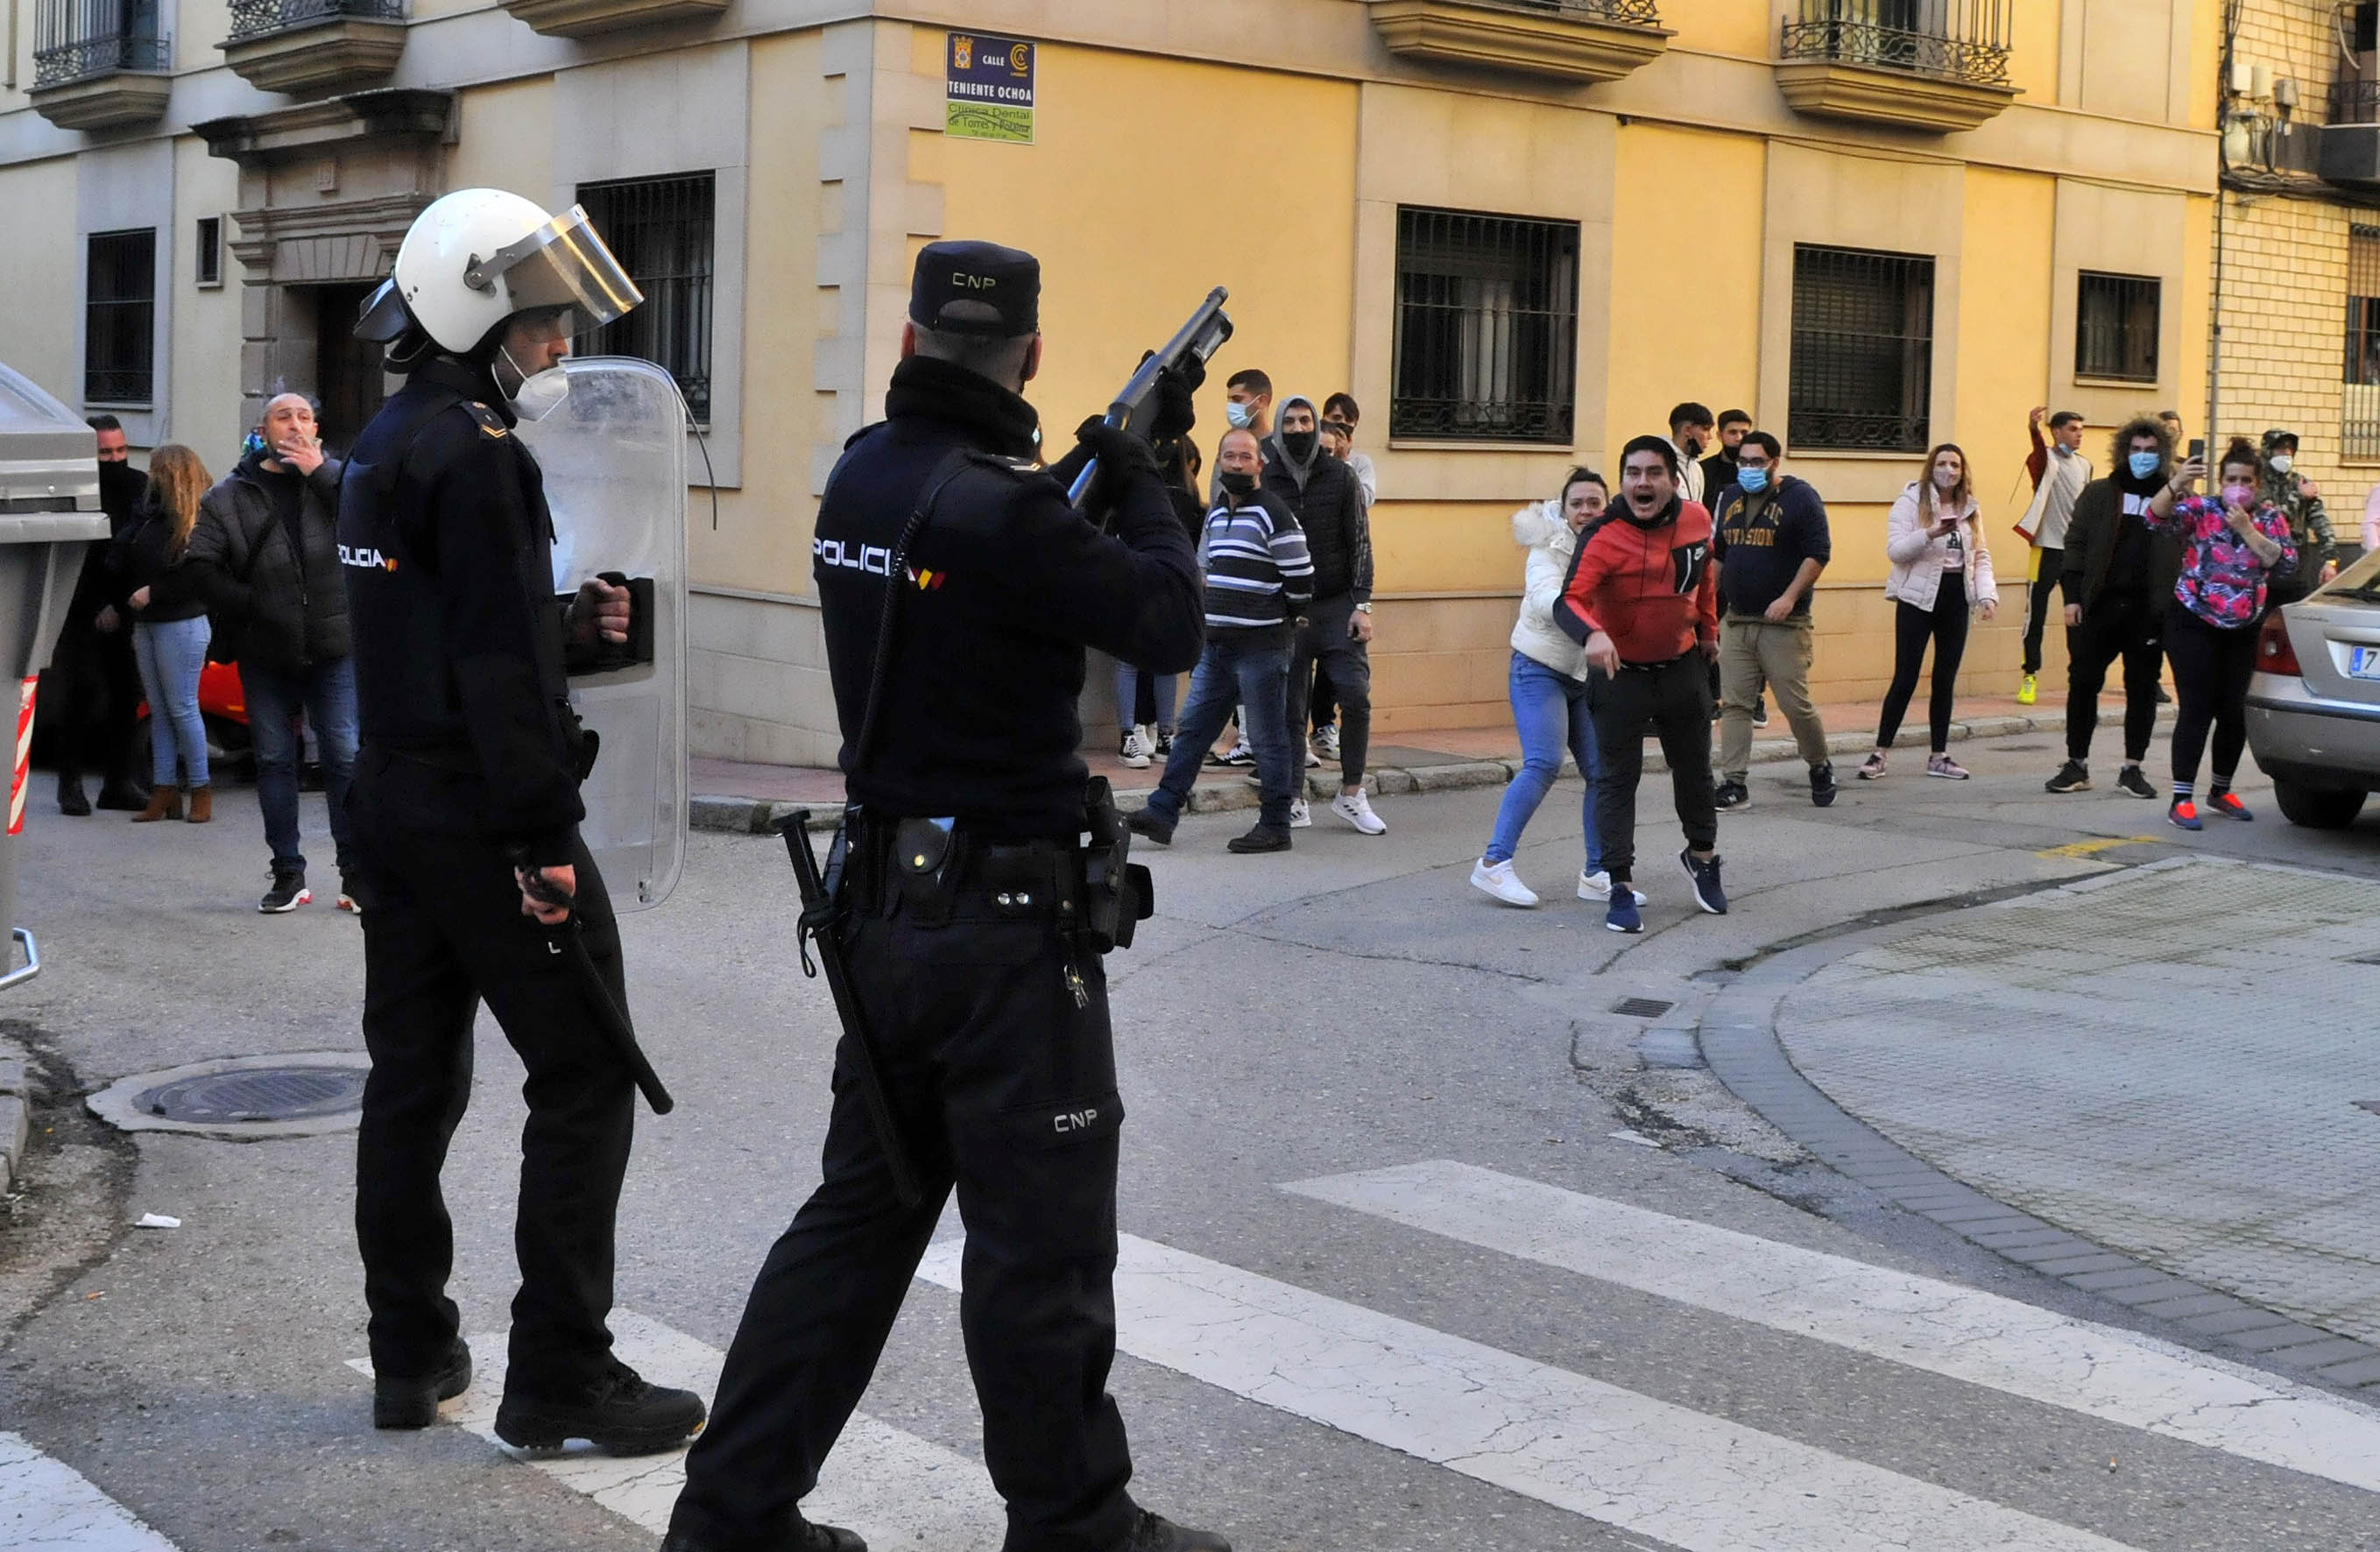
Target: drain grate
(257, 1094)
(1641, 1007)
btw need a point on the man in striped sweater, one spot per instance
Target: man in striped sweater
(1259, 578)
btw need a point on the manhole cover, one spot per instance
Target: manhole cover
(242, 1098)
(262, 1093)
(1641, 1007)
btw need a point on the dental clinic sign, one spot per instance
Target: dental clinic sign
(989, 82)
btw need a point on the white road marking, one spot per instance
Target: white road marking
(45, 1503)
(1921, 1322)
(1699, 1483)
(892, 1487)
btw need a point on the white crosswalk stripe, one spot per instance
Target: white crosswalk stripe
(892, 1487)
(1919, 1322)
(44, 1503)
(1697, 1482)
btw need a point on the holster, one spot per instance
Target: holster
(1118, 893)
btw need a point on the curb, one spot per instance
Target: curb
(16, 1117)
(753, 816)
(1738, 1037)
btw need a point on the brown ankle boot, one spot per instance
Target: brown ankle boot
(203, 805)
(164, 803)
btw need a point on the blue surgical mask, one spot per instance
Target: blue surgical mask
(1752, 478)
(1241, 416)
(2142, 465)
(2061, 450)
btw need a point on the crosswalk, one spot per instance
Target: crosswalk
(1631, 1461)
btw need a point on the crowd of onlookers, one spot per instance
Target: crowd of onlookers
(1683, 597)
(239, 570)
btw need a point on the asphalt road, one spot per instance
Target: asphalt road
(1429, 1357)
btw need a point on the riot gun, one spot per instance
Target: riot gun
(1197, 340)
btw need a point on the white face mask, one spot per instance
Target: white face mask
(540, 393)
(2281, 462)
(1944, 479)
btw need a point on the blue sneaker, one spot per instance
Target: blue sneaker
(1708, 895)
(2184, 815)
(1621, 914)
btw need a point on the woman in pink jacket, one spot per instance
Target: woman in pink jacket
(1941, 569)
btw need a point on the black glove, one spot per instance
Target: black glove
(1175, 411)
(1121, 453)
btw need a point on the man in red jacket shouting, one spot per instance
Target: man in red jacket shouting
(1641, 599)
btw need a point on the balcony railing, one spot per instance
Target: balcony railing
(2355, 102)
(74, 40)
(1956, 40)
(1628, 12)
(261, 18)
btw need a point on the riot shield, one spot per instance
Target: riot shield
(614, 459)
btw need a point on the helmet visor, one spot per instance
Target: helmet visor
(563, 265)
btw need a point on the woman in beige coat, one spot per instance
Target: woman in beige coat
(1942, 570)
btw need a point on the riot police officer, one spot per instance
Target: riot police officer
(465, 809)
(987, 1006)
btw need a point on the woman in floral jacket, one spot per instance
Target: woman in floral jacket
(2232, 545)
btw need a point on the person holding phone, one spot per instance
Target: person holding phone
(2233, 544)
(1942, 574)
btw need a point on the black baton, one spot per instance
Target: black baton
(565, 938)
(822, 916)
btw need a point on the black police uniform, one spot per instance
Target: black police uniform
(988, 1014)
(471, 760)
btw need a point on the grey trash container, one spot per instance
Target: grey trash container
(49, 513)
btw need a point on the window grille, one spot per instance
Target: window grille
(261, 18)
(2360, 431)
(1862, 376)
(2116, 327)
(73, 39)
(119, 318)
(661, 230)
(1963, 40)
(207, 266)
(1486, 328)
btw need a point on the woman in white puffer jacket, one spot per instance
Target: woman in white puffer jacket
(1941, 573)
(1550, 688)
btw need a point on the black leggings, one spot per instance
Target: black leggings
(1946, 625)
(2211, 669)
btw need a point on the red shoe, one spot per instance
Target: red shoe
(2184, 815)
(2229, 806)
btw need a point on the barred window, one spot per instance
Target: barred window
(661, 230)
(2116, 327)
(1861, 377)
(1486, 328)
(2361, 430)
(119, 318)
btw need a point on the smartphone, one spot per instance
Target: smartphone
(2198, 447)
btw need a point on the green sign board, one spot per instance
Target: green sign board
(989, 82)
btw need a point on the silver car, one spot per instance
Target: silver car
(2313, 706)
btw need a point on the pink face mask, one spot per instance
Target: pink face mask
(2237, 495)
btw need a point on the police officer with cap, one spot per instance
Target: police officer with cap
(466, 806)
(986, 1009)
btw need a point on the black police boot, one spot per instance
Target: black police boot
(1150, 825)
(411, 1401)
(1263, 837)
(1154, 1533)
(71, 800)
(123, 794)
(618, 1411)
(809, 1538)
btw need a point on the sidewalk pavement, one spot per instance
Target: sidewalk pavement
(16, 1113)
(745, 799)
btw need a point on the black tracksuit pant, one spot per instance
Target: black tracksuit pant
(2211, 669)
(2118, 623)
(444, 929)
(1673, 702)
(999, 1062)
(2041, 597)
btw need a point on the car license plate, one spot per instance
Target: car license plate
(2364, 662)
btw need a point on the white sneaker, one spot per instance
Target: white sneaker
(1597, 886)
(1312, 759)
(1356, 809)
(1326, 740)
(1502, 883)
(1300, 817)
(1135, 752)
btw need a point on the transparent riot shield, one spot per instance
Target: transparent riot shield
(614, 460)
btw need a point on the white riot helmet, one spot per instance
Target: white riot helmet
(478, 256)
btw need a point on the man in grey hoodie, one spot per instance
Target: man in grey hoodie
(1323, 494)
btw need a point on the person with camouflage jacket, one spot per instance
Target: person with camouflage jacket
(2310, 531)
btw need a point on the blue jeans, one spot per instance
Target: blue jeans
(326, 692)
(171, 653)
(1259, 680)
(1550, 710)
(1127, 692)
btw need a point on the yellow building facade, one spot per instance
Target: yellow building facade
(1516, 232)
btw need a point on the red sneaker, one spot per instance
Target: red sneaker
(2184, 815)
(2229, 805)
